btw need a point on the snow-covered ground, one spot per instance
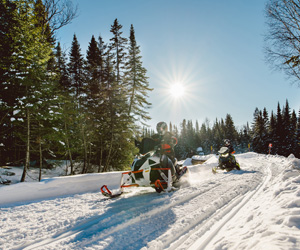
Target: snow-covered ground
(256, 208)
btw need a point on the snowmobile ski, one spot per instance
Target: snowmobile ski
(217, 170)
(182, 172)
(106, 192)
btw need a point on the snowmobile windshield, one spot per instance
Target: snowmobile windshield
(225, 155)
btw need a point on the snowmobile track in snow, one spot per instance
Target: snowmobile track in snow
(203, 237)
(142, 211)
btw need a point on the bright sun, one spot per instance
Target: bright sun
(177, 90)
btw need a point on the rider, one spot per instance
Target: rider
(166, 142)
(227, 144)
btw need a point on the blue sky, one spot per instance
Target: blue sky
(213, 48)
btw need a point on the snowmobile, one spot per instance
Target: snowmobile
(150, 169)
(227, 161)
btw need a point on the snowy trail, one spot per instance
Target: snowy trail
(212, 198)
(212, 212)
(230, 211)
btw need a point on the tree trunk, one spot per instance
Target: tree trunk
(84, 169)
(101, 157)
(27, 161)
(109, 155)
(41, 158)
(68, 150)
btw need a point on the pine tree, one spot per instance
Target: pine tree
(293, 133)
(272, 130)
(218, 135)
(118, 46)
(61, 69)
(287, 133)
(230, 130)
(76, 69)
(137, 82)
(93, 70)
(245, 138)
(277, 146)
(9, 91)
(297, 150)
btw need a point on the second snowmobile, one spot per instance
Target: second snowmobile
(227, 161)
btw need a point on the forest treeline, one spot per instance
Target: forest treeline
(67, 106)
(281, 129)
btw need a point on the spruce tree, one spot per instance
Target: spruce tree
(279, 135)
(9, 91)
(285, 130)
(293, 133)
(297, 149)
(272, 130)
(118, 49)
(230, 130)
(92, 70)
(61, 69)
(76, 69)
(137, 81)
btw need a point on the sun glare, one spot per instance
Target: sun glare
(177, 90)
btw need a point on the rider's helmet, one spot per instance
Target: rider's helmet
(227, 142)
(161, 128)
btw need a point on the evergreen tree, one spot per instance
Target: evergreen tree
(293, 133)
(279, 135)
(204, 134)
(31, 54)
(297, 150)
(93, 71)
(245, 138)
(260, 131)
(182, 147)
(118, 46)
(137, 82)
(230, 130)
(61, 69)
(272, 130)
(287, 133)
(76, 69)
(218, 135)
(9, 91)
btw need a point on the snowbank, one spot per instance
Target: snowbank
(57, 186)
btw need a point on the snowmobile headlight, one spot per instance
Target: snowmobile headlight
(224, 155)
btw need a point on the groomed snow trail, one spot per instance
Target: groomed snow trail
(208, 213)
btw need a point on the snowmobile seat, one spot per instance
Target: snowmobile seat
(146, 145)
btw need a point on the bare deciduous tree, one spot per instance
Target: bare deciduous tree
(60, 13)
(283, 36)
